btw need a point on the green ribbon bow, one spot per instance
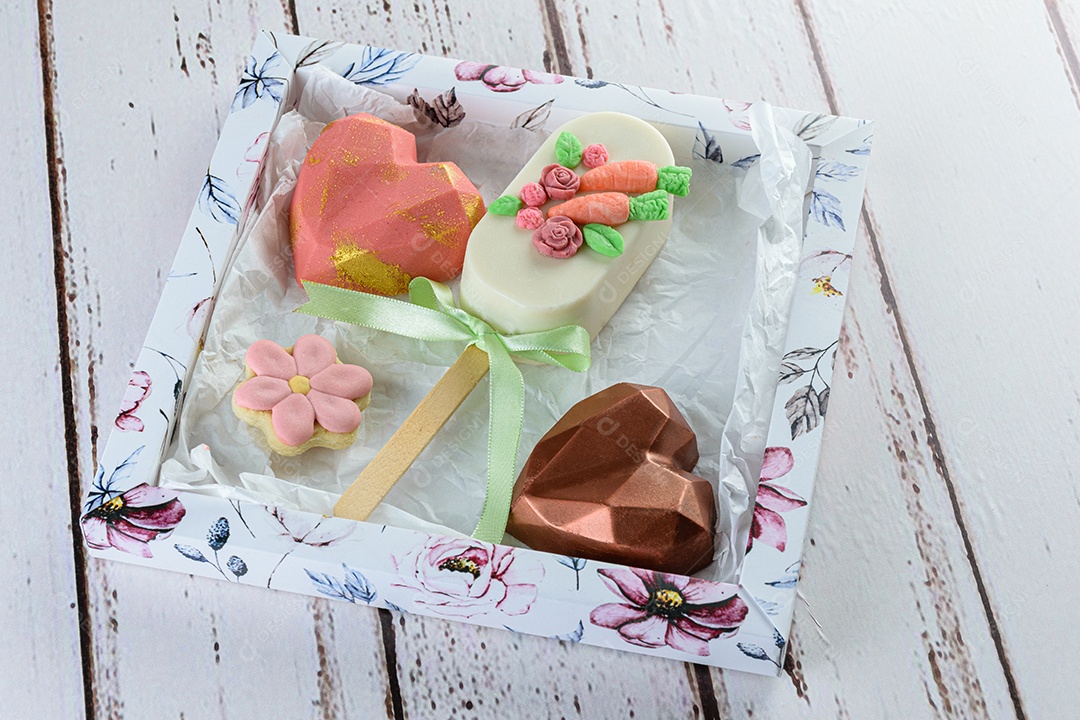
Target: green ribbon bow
(432, 315)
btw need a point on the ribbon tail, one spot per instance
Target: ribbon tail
(507, 412)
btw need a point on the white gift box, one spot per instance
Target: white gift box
(746, 624)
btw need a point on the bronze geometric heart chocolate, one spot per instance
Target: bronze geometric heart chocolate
(612, 481)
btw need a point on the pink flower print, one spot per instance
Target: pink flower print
(768, 525)
(138, 389)
(737, 113)
(461, 577)
(197, 316)
(308, 528)
(128, 522)
(659, 609)
(253, 156)
(307, 387)
(501, 78)
(305, 528)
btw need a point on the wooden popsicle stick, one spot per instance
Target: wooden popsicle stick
(402, 449)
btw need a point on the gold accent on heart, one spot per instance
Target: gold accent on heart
(362, 269)
(392, 173)
(474, 208)
(433, 225)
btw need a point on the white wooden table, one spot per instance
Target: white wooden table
(941, 575)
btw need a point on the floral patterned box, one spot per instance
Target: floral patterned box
(742, 626)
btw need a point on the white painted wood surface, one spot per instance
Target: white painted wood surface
(40, 665)
(939, 581)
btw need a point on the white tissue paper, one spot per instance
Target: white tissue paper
(706, 322)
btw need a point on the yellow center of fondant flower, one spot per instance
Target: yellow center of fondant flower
(665, 602)
(300, 384)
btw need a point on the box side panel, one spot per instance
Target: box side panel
(462, 579)
(771, 569)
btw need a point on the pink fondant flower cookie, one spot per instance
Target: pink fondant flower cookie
(302, 397)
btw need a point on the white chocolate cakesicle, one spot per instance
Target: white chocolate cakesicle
(515, 289)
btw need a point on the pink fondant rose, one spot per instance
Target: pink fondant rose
(558, 237)
(594, 156)
(561, 183)
(303, 388)
(462, 577)
(530, 218)
(533, 195)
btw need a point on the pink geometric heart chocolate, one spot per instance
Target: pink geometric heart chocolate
(367, 216)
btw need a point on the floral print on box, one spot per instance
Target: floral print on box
(768, 525)
(501, 78)
(462, 577)
(258, 81)
(139, 387)
(130, 521)
(659, 609)
(306, 529)
(827, 273)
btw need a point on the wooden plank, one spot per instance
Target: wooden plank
(138, 115)
(41, 666)
(451, 670)
(988, 235)
(886, 582)
(937, 643)
(510, 32)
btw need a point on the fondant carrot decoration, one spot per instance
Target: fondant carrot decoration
(613, 208)
(637, 176)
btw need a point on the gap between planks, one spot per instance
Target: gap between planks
(57, 205)
(890, 302)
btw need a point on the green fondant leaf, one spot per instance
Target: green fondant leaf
(650, 206)
(506, 205)
(674, 179)
(568, 149)
(603, 239)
